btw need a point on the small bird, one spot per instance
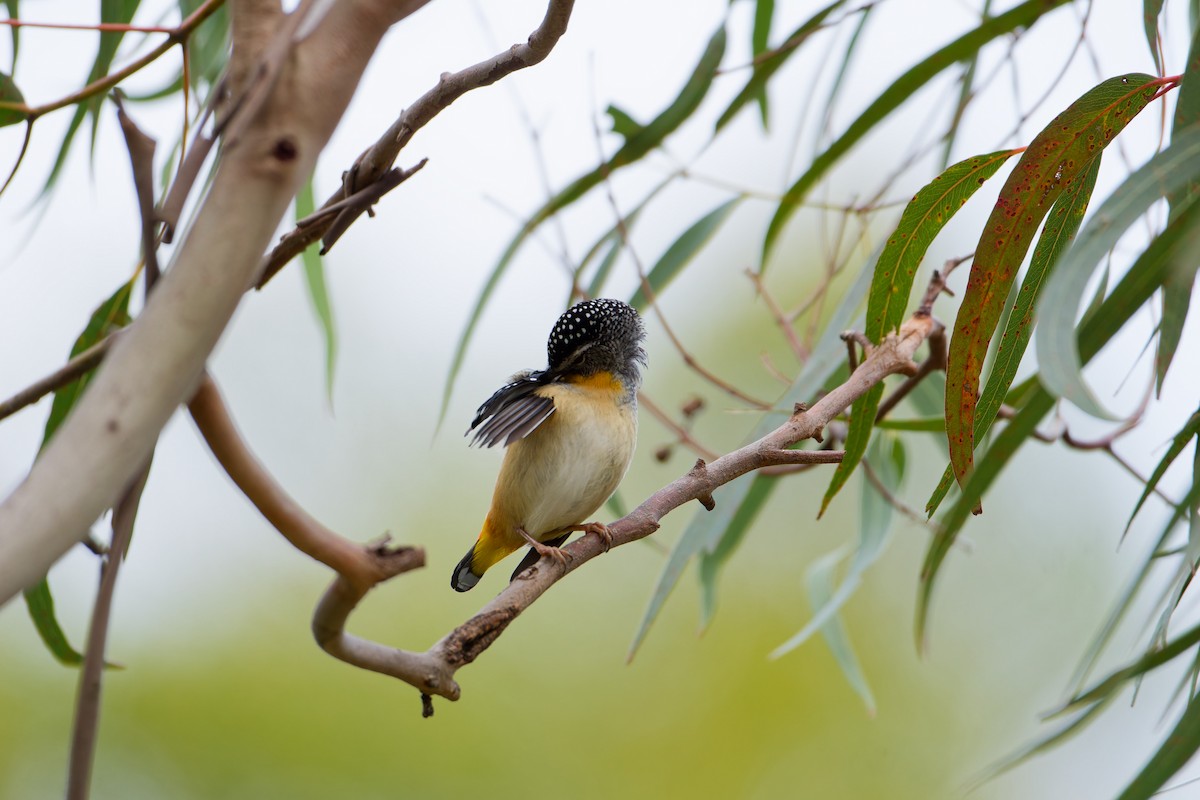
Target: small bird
(570, 430)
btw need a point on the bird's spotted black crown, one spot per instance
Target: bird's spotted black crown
(611, 324)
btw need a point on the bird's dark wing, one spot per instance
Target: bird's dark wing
(511, 413)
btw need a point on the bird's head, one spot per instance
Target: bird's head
(598, 336)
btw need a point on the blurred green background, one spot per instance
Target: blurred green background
(224, 694)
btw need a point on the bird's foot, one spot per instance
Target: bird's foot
(561, 557)
(600, 530)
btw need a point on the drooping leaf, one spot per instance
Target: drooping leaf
(875, 522)
(1058, 157)
(111, 11)
(635, 147)
(707, 529)
(109, 316)
(839, 78)
(1061, 225)
(1151, 9)
(40, 604)
(623, 125)
(9, 93)
(1178, 443)
(1057, 353)
(1134, 289)
(760, 38)
(1022, 16)
(765, 66)
(1174, 753)
(318, 291)
(208, 45)
(923, 218)
(1177, 292)
(713, 556)
(14, 12)
(683, 250)
(820, 580)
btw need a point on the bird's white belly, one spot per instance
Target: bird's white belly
(566, 468)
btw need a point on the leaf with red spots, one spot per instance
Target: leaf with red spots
(1054, 161)
(924, 217)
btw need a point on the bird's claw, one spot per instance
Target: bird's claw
(600, 530)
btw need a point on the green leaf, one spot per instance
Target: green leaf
(1177, 291)
(820, 582)
(923, 218)
(1022, 16)
(928, 424)
(14, 12)
(1151, 9)
(111, 11)
(40, 603)
(108, 317)
(9, 93)
(706, 530)
(1134, 289)
(760, 37)
(683, 250)
(1180, 745)
(208, 45)
(635, 147)
(1057, 353)
(1059, 156)
(318, 292)
(732, 527)
(766, 66)
(623, 125)
(875, 522)
(1178, 443)
(835, 88)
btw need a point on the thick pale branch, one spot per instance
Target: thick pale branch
(157, 363)
(432, 672)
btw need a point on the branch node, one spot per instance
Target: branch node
(700, 473)
(426, 706)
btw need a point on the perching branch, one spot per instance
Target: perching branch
(432, 672)
(157, 362)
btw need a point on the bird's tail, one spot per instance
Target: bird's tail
(487, 550)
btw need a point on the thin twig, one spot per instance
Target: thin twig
(79, 365)
(87, 701)
(380, 157)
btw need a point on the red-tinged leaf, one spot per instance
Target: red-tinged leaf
(1055, 160)
(924, 217)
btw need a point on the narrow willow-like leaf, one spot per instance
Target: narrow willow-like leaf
(711, 560)
(766, 67)
(635, 147)
(904, 87)
(1058, 157)
(760, 38)
(706, 530)
(1153, 659)
(927, 424)
(1057, 353)
(1140, 283)
(40, 604)
(1178, 443)
(110, 315)
(1061, 225)
(1176, 751)
(614, 240)
(835, 88)
(14, 12)
(683, 250)
(9, 93)
(1151, 9)
(924, 217)
(820, 580)
(1177, 291)
(208, 45)
(318, 291)
(875, 522)
(112, 11)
